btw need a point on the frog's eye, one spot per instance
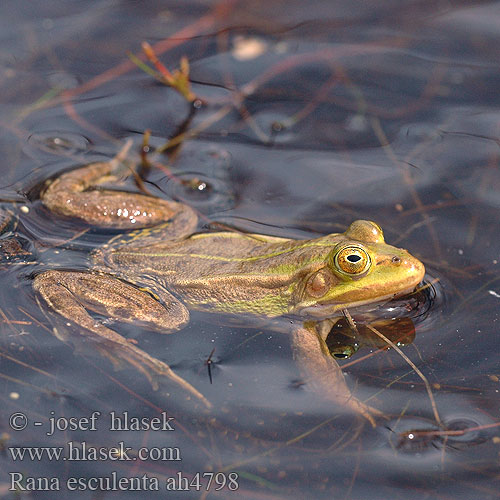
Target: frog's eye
(343, 351)
(352, 260)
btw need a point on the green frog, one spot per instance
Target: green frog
(160, 268)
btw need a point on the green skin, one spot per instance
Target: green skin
(155, 274)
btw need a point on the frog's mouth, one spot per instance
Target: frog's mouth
(334, 308)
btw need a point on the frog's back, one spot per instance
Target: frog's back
(213, 255)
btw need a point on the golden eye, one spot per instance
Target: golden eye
(352, 260)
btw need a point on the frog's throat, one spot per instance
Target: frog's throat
(327, 309)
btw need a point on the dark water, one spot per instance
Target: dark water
(316, 114)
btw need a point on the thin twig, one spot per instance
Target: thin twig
(417, 371)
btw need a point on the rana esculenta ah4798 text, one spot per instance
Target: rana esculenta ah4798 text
(155, 274)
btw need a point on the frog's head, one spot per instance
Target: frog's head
(361, 269)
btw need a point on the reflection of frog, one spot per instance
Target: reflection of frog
(154, 275)
(343, 342)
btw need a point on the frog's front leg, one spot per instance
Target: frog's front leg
(71, 293)
(76, 194)
(322, 373)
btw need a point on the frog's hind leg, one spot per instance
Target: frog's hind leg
(77, 194)
(71, 293)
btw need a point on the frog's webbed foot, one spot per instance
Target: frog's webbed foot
(322, 373)
(71, 293)
(75, 194)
